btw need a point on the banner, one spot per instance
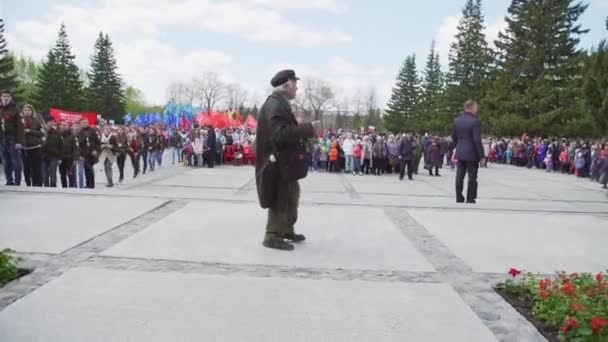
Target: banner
(70, 117)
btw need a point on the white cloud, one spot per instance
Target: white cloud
(148, 62)
(335, 6)
(151, 66)
(342, 66)
(348, 80)
(493, 28)
(445, 36)
(448, 29)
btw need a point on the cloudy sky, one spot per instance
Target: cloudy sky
(352, 44)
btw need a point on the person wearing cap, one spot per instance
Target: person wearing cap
(278, 130)
(12, 138)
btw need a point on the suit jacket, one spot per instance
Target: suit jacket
(406, 148)
(466, 135)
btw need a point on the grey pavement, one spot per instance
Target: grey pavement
(176, 255)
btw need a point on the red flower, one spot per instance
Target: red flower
(599, 277)
(544, 294)
(578, 306)
(567, 288)
(598, 323)
(564, 327)
(542, 284)
(514, 272)
(572, 322)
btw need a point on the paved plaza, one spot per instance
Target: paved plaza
(177, 256)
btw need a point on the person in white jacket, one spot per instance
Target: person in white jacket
(347, 146)
(198, 148)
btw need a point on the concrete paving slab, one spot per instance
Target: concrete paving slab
(338, 237)
(41, 223)
(221, 177)
(537, 242)
(404, 187)
(107, 305)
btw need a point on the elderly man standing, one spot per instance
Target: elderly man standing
(466, 134)
(278, 137)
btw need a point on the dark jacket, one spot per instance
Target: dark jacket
(466, 134)
(11, 124)
(34, 138)
(52, 146)
(176, 139)
(69, 146)
(434, 156)
(211, 141)
(88, 142)
(121, 144)
(406, 148)
(277, 129)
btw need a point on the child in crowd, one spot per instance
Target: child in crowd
(357, 159)
(549, 162)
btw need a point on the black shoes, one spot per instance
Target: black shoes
(295, 237)
(461, 200)
(281, 244)
(471, 201)
(278, 244)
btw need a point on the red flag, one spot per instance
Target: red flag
(239, 118)
(203, 119)
(184, 123)
(251, 122)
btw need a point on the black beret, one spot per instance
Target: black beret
(282, 77)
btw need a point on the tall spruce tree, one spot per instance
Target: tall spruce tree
(538, 85)
(432, 105)
(470, 58)
(403, 105)
(58, 84)
(105, 92)
(8, 74)
(595, 88)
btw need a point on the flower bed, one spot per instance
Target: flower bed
(9, 269)
(564, 307)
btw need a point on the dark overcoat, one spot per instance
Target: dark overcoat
(278, 131)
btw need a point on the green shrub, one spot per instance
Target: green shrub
(8, 266)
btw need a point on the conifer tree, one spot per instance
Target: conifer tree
(470, 58)
(58, 83)
(105, 92)
(403, 104)
(538, 84)
(432, 105)
(8, 75)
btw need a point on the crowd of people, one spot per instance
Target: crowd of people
(40, 148)
(378, 154)
(37, 149)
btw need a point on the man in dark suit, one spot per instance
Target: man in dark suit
(406, 155)
(466, 135)
(278, 130)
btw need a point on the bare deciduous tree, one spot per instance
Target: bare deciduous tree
(210, 90)
(177, 92)
(318, 97)
(235, 96)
